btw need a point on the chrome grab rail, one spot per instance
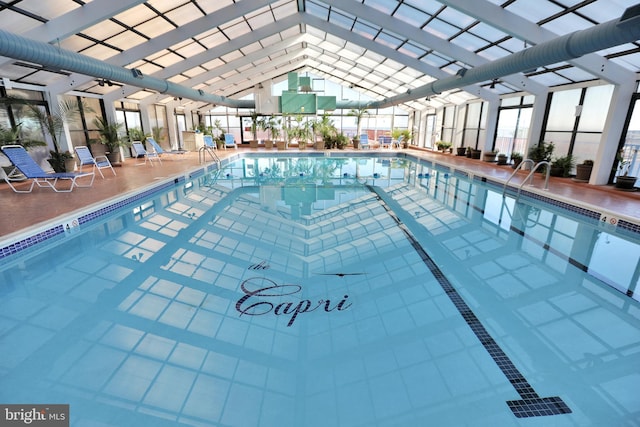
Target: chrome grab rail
(201, 156)
(530, 175)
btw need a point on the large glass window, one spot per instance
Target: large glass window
(514, 120)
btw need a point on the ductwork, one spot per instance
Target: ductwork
(603, 36)
(24, 49)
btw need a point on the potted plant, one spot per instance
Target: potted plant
(502, 159)
(490, 156)
(583, 170)
(110, 137)
(623, 180)
(358, 113)
(254, 130)
(516, 158)
(137, 135)
(541, 153)
(461, 151)
(443, 146)
(403, 135)
(475, 153)
(53, 124)
(561, 166)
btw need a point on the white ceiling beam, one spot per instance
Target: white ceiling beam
(525, 30)
(170, 38)
(426, 39)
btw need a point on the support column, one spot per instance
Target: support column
(612, 133)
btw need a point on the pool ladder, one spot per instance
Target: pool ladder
(529, 177)
(212, 154)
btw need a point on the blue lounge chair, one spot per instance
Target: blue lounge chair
(30, 170)
(385, 141)
(142, 153)
(208, 148)
(160, 151)
(229, 141)
(397, 143)
(99, 162)
(364, 142)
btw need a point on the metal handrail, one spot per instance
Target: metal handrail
(529, 177)
(201, 156)
(520, 166)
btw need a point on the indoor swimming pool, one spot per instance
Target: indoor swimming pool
(327, 291)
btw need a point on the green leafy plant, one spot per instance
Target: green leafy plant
(564, 165)
(109, 134)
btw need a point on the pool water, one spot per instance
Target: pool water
(328, 292)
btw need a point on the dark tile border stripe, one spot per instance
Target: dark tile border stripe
(531, 405)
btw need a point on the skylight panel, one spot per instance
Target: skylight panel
(103, 30)
(341, 19)
(631, 61)
(185, 14)
(135, 15)
(47, 9)
(456, 18)
(365, 30)
(411, 15)
(428, 6)
(126, 40)
(389, 40)
(441, 29)
(237, 29)
(100, 52)
(384, 6)
(412, 50)
(285, 10)
(155, 27)
(567, 24)
(550, 79)
(260, 20)
(487, 32)
(317, 10)
(534, 11)
(165, 5)
(469, 41)
(493, 53)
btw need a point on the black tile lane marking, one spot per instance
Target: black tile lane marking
(531, 404)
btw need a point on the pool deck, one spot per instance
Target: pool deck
(33, 210)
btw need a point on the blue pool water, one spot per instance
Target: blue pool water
(327, 292)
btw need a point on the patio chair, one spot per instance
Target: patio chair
(229, 141)
(160, 151)
(99, 162)
(20, 158)
(398, 142)
(364, 142)
(142, 153)
(385, 141)
(208, 148)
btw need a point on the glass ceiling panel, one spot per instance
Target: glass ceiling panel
(184, 14)
(576, 74)
(428, 6)
(260, 20)
(567, 24)
(155, 27)
(534, 11)
(136, 15)
(385, 6)
(487, 32)
(315, 9)
(441, 29)
(341, 19)
(47, 9)
(288, 9)
(412, 16)
(213, 6)
(364, 30)
(469, 41)
(389, 40)
(412, 50)
(166, 5)
(631, 61)
(550, 79)
(614, 9)
(434, 61)
(493, 53)
(456, 18)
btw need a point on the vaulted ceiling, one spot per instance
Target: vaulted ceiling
(379, 48)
